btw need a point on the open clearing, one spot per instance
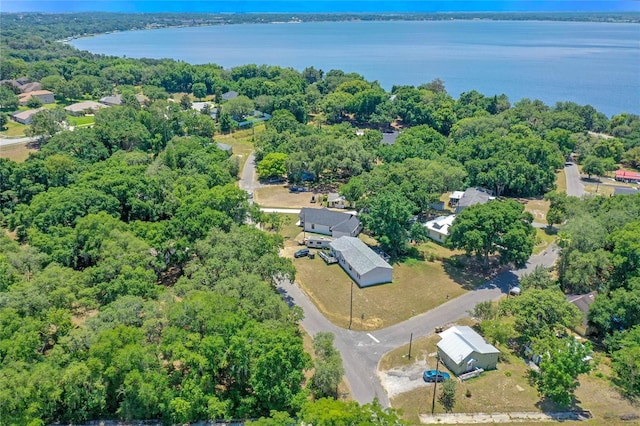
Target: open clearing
(418, 286)
(503, 390)
(278, 195)
(16, 152)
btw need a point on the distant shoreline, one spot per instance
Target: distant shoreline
(301, 18)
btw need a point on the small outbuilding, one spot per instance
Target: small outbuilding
(462, 350)
(362, 264)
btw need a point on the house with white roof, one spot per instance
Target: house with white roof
(438, 228)
(362, 264)
(328, 222)
(462, 350)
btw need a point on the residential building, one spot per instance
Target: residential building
(229, 95)
(45, 96)
(362, 264)
(86, 107)
(462, 350)
(627, 176)
(25, 117)
(438, 228)
(336, 201)
(113, 100)
(328, 222)
(471, 197)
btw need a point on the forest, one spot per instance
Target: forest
(132, 286)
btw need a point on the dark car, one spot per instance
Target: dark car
(301, 253)
(435, 376)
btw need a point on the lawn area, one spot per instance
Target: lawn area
(81, 121)
(544, 239)
(505, 389)
(561, 181)
(13, 129)
(16, 152)
(417, 287)
(277, 195)
(241, 141)
(596, 189)
(538, 207)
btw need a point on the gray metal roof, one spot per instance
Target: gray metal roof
(338, 221)
(358, 254)
(473, 196)
(458, 342)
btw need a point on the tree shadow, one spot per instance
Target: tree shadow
(573, 412)
(468, 272)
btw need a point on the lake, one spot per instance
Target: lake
(583, 62)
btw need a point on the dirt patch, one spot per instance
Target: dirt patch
(278, 195)
(405, 378)
(16, 152)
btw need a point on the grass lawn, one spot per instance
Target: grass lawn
(241, 142)
(561, 181)
(417, 287)
(544, 239)
(17, 152)
(505, 389)
(538, 207)
(13, 129)
(277, 195)
(81, 121)
(595, 189)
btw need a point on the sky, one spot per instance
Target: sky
(316, 6)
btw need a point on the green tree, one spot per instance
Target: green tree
(626, 362)
(447, 395)
(34, 102)
(8, 99)
(540, 278)
(199, 90)
(46, 123)
(387, 218)
(272, 164)
(328, 366)
(563, 360)
(542, 312)
(226, 122)
(238, 107)
(4, 119)
(495, 227)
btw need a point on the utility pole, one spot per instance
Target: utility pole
(410, 341)
(351, 306)
(435, 384)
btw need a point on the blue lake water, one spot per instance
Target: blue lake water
(583, 62)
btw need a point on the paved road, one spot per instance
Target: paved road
(362, 351)
(575, 187)
(16, 141)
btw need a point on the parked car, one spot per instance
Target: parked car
(435, 376)
(301, 253)
(276, 179)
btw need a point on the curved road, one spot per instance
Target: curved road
(361, 351)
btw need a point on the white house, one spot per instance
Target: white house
(81, 108)
(462, 349)
(438, 228)
(327, 222)
(362, 264)
(336, 201)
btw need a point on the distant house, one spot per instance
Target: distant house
(389, 138)
(229, 95)
(86, 107)
(470, 197)
(116, 100)
(224, 147)
(327, 222)
(583, 302)
(23, 84)
(25, 117)
(628, 177)
(45, 96)
(113, 100)
(361, 263)
(438, 228)
(336, 201)
(462, 350)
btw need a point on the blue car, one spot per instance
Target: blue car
(433, 376)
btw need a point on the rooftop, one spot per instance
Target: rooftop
(473, 196)
(441, 223)
(458, 342)
(338, 221)
(83, 106)
(358, 254)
